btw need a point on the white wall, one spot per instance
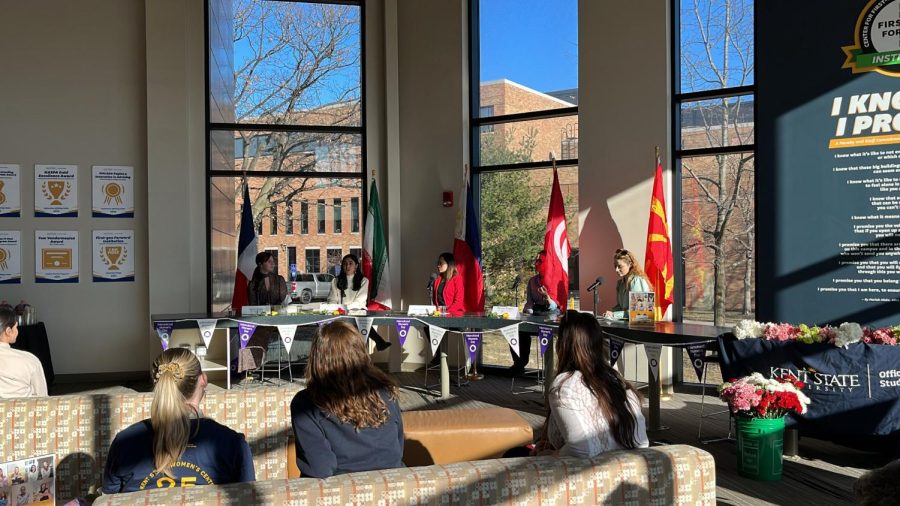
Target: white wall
(624, 113)
(73, 92)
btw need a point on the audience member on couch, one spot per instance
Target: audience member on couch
(592, 408)
(176, 446)
(21, 373)
(347, 419)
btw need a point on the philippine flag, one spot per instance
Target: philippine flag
(246, 255)
(467, 249)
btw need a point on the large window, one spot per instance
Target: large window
(285, 110)
(320, 215)
(524, 109)
(333, 258)
(714, 162)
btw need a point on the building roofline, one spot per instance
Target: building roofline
(530, 90)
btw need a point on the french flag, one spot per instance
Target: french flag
(246, 254)
(467, 250)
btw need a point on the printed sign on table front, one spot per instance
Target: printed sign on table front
(113, 258)
(10, 257)
(10, 202)
(56, 256)
(112, 191)
(56, 190)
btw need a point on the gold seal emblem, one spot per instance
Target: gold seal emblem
(113, 192)
(2, 196)
(4, 255)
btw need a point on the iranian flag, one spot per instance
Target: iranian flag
(375, 263)
(246, 254)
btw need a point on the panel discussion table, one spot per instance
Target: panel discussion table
(663, 333)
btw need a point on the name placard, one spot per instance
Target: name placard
(420, 310)
(254, 310)
(508, 311)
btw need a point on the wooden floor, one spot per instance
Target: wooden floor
(822, 474)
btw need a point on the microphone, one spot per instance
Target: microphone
(517, 281)
(430, 284)
(595, 284)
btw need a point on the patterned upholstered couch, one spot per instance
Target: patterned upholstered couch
(79, 429)
(662, 475)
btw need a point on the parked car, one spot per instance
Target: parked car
(306, 287)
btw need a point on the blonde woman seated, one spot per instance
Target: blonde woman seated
(631, 279)
(592, 408)
(176, 446)
(347, 419)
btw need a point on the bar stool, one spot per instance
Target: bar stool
(711, 357)
(460, 370)
(536, 375)
(281, 360)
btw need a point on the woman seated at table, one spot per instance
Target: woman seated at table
(176, 446)
(265, 287)
(347, 419)
(351, 289)
(21, 373)
(448, 289)
(592, 408)
(631, 279)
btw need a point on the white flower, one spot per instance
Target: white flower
(749, 328)
(847, 334)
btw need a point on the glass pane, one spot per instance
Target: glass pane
(266, 194)
(717, 123)
(514, 207)
(716, 44)
(522, 72)
(285, 151)
(708, 185)
(286, 63)
(529, 141)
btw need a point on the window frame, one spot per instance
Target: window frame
(678, 154)
(210, 127)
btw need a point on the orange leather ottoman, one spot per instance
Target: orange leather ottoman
(448, 436)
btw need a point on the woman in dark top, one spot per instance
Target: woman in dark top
(347, 419)
(176, 446)
(448, 286)
(265, 287)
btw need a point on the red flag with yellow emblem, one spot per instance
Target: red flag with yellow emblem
(658, 263)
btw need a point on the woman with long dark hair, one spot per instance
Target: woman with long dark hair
(593, 409)
(351, 289)
(176, 446)
(347, 419)
(265, 287)
(448, 289)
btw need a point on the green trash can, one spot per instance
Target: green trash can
(760, 443)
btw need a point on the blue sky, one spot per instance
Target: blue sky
(531, 42)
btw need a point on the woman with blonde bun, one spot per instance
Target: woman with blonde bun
(176, 446)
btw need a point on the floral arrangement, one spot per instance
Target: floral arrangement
(755, 396)
(843, 335)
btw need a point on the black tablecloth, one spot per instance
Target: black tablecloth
(33, 339)
(855, 391)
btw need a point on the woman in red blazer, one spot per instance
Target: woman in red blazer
(448, 286)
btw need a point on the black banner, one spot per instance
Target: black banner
(828, 161)
(854, 391)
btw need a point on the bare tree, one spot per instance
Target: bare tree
(718, 54)
(295, 64)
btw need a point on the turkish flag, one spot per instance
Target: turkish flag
(555, 268)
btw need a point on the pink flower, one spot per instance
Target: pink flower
(781, 332)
